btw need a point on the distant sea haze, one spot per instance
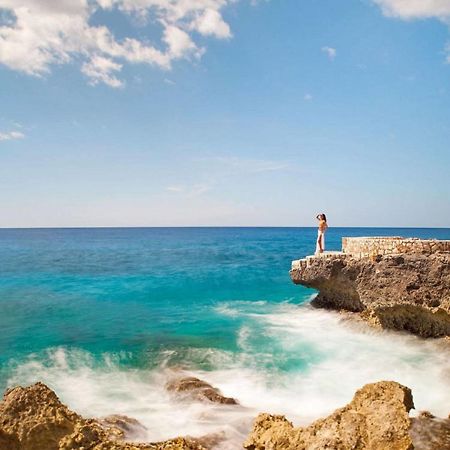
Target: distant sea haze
(102, 315)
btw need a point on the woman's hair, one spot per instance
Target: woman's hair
(324, 217)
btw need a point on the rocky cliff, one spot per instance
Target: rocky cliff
(398, 291)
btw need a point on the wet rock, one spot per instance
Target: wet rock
(33, 418)
(376, 419)
(402, 292)
(128, 427)
(197, 389)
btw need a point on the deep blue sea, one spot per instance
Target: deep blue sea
(105, 317)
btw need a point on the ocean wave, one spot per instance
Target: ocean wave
(296, 361)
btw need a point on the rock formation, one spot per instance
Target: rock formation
(376, 419)
(397, 291)
(196, 389)
(33, 418)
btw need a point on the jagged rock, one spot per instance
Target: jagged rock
(197, 389)
(376, 419)
(402, 292)
(33, 418)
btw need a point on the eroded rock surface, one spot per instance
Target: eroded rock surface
(376, 419)
(402, 292)
(33, 418)
(194, 388)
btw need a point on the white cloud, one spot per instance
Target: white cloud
(210, 22)
(44, 33)
(11, 135)
(415, 9)
(330, 51)
(308, 97)
(418, 9)
(99, 70)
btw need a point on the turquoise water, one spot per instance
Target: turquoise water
(103, 315)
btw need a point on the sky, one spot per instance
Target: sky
(224, 112)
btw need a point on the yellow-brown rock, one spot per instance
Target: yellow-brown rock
(33, 418)
(376, 419)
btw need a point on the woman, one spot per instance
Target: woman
(320, 245)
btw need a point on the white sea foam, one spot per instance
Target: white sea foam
(293, 360)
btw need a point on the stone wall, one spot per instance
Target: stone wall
(374, 246)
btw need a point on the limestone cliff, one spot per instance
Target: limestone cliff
(397, 291)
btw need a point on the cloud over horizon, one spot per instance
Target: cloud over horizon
(38, 34)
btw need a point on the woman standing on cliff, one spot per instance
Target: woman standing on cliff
(320, 244)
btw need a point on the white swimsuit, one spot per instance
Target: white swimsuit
(321, 238)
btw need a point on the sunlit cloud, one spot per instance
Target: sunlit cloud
(40, 34)
(418, 9)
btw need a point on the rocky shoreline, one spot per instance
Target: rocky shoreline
(407, 291)
(33, 418)
(389, 283)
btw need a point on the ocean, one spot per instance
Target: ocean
(105, 316)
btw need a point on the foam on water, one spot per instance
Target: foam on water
(291, 360)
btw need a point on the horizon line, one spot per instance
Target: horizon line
(210, 226)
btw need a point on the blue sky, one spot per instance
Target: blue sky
(219, 112)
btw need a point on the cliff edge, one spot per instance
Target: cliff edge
(394, 283)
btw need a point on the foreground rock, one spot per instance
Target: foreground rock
(196, 389)
(376, 419)
(403, 291)
(33, 418)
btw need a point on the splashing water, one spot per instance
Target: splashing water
(292, 360)
(104, 317)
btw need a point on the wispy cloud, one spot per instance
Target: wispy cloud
(189, 191)
(308, 97)
(249, 165)
(11, 135)
(43, 33)
(330, 52)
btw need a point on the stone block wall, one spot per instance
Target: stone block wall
(373, 246)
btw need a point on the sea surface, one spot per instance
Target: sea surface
(106, 316)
